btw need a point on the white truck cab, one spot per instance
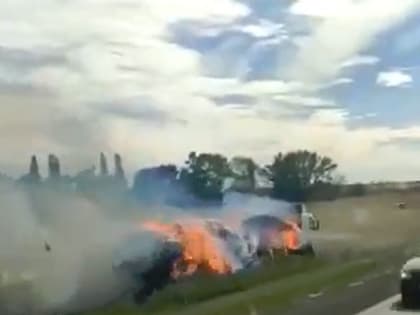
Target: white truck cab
(306, 220)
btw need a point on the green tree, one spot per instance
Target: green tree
(204, 175)
(295, 174)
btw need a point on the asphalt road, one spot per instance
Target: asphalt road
(353, 299)
(390, 306)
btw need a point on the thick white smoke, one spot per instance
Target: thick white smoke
(239, 206)
(63, 247)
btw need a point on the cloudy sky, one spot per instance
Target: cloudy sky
(155, 79)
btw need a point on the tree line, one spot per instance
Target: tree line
(293, 176)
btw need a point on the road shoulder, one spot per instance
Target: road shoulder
(351, 299)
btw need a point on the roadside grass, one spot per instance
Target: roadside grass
(272, 286)
(281, 293)
(204, 287)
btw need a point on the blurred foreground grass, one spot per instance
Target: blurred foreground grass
(272, 286)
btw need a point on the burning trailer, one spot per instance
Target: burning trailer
(235, 244)
(207, 245)
(268, 234)
(170, 252)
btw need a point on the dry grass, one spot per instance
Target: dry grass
(369, 222)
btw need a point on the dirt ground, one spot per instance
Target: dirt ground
(369, 222)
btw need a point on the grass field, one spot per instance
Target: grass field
(369, 222)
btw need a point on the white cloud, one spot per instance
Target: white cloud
(344, 28)
(326, 8)
(364, 116)
(394, 79)
(114, 51)
(348, 9)
(304, 100)
(342, 81)
(330, 117)
(262, 29)
(336, 82)
(371, 115)
(231, 56)
(219, 87)
(360, 60)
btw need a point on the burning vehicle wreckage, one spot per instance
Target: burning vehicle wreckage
(180, 250)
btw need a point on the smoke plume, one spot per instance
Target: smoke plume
(61, 245)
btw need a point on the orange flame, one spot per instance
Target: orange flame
(290, 235)
(199, 248)
(286, 237)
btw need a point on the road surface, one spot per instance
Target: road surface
(390, 306)
(350, 300)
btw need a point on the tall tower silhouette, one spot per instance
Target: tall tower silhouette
(34, 170)
(103, 166)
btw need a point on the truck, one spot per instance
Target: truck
(305, 220)
(268, 234)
